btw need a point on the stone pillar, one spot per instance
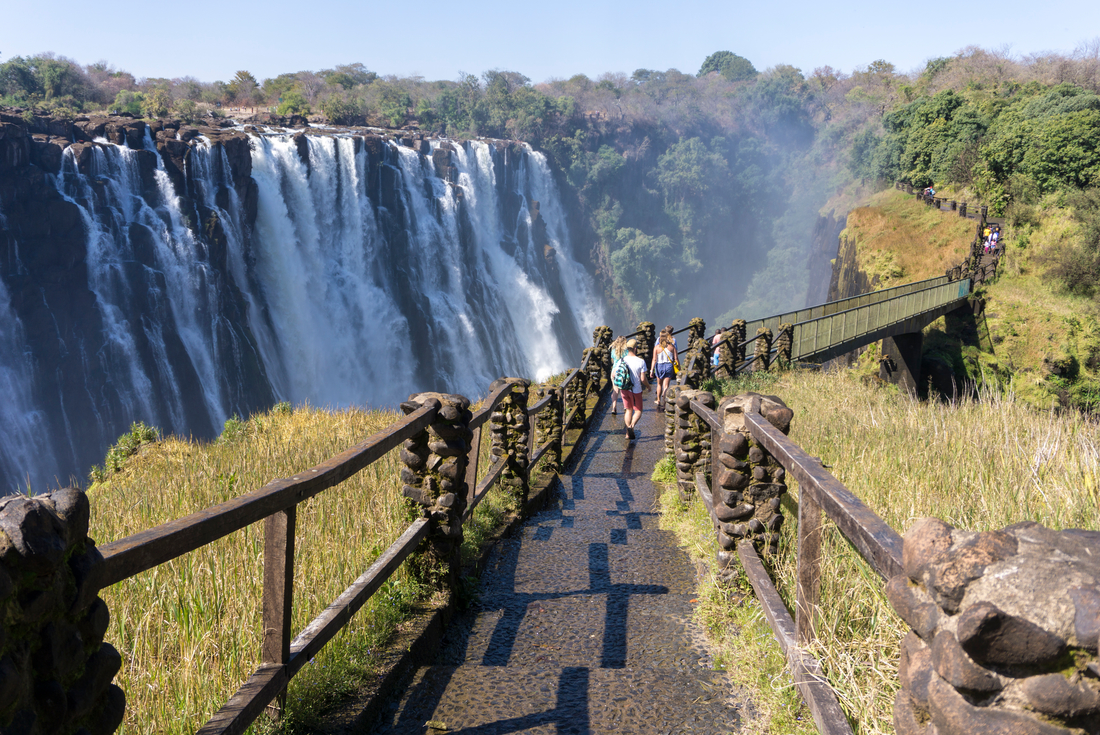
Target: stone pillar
(784, 343)
(985, 212)
(1004, 630)
(900, 362)
(739, 328)
(671, 418)
(549, 424)
(962, 209)
(576, 396)
(511, 438)
(599, 367)
(55, 669)
(763, 349)
(434, 480)
(696, 362)
(750, 482)
(646, 340)
(954, 205)
(697, 329)
(691, 440)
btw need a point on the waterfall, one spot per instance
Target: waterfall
(356, 275)
(26, 459)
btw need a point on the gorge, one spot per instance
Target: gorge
(181, 275)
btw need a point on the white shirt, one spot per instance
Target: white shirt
(637, 367)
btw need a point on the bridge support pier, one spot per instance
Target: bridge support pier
(900, 363)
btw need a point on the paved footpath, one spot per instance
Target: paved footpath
(582, 623)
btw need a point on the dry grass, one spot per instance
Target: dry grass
(977, 465)
(190, 630)
(901, 240)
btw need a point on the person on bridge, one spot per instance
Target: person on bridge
(664, 357)
(618, 349)
(632, 395)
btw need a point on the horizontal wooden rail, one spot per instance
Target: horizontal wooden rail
(538, 405)
(569, 418)
(491, 402)
(878, 543)
(807, 673)
(540, 452)
(569, 378)
(483, 488)
(146, 549)
(270, 679)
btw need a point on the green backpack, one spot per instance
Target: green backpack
(620, 375)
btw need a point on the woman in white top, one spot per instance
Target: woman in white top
(664, 357)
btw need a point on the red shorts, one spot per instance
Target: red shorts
(632, 401)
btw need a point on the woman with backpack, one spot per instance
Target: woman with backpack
(618, 352)
(632, 385)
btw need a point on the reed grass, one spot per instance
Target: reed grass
(189, 631)
(978, 465)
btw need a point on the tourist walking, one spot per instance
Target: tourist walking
(664, 357)
(632, 393)
(715, 354)
(618, 351)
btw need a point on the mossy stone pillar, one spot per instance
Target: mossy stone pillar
(696, 363)
(671, 417)
(697, 329)
(511, 438)
(55, 669)
(1005, 626)
(434, 480)
(750, 482)
(646, 340)
(763, 349)
(576, 396)
(599, 367)
(784, 343)
(962, 209)
(692, 440)
(548, 421)
(735, 356)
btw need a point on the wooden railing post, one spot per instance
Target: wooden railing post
(472, 465)
(278, 592)
(809, 567)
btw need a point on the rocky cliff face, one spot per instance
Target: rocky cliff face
(823, 252)
(179, 274)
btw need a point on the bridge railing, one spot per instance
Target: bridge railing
(527, 439)
(739, 486)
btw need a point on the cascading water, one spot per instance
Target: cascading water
(360, 272)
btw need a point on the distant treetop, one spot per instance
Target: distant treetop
(733, 67)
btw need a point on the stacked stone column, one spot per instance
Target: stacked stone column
(694, 365)
(697, 329)
(739, 328)
(576, 396)
(599, 367)
(511, 439)
(784, 343)
(671, 417)
(1004, 631)
(434, 480)
(692, 440)
(763, 351)
(55, 669)
(750, 482)
(548, 421)
(646, 340)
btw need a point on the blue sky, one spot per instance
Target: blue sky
(212, 40)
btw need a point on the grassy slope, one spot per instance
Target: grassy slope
(977, 465)
(189, 630)
(901, 240)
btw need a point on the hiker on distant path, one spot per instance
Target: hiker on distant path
(715, 354)
(632, 394)
(618, 349)
(664, 357)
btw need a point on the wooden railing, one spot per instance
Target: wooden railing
(282, 656)
(819, 492)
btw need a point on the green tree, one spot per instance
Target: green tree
(733, 67)
(293, 104)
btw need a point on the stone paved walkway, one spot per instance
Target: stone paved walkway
(582, 623)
